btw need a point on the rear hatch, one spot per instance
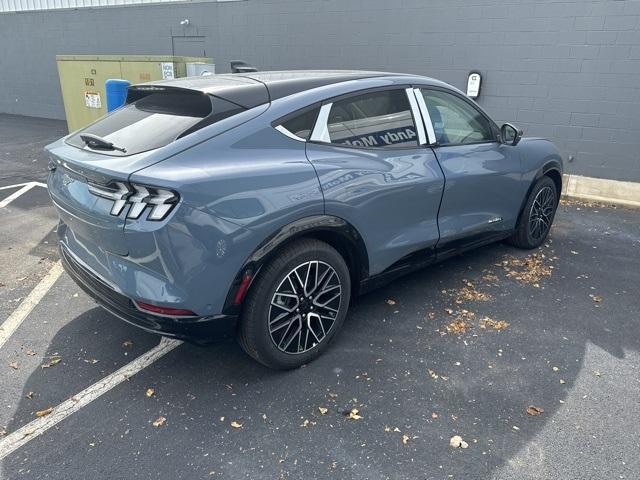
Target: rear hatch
(90, 169)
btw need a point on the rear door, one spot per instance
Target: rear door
(369, 150)
(482, 191)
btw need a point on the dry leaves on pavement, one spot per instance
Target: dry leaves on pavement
(323, 410)
(54, 360)
(533, 410)
(458, 327)
(354, 414)
(487, 322)
(150, 392)
(14, 365)
(457, 442)
(531, 269)
(236, 424)
(160, 421)
(45, 412)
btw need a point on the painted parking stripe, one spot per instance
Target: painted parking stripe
(11, 324)
(37, 427)
(25, 188)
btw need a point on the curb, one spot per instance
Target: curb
(601, 190)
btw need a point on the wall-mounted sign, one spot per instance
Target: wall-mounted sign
(473, 84)
(92, 100)
(167, 70)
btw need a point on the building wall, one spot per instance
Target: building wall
(567, 70)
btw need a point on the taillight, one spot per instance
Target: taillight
(159, 201)
(168, 311)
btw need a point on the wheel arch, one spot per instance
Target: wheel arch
(551, 169)
(330, 229)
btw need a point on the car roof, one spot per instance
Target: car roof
(255, 88)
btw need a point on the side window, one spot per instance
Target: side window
(377, 119)
(454, 120)
(301, 125)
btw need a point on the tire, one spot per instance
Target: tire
(537, 217)
(273, 314)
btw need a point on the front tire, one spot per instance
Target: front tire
(538, 214)
(296, 305)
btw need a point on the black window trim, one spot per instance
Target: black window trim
(357, 93)
(492, 125)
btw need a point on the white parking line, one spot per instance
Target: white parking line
(25, 188)
(19, 314)
(37, 427)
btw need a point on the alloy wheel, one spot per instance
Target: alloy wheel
(541, 214)
(304, 307)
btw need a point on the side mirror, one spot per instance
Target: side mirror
(510, 134)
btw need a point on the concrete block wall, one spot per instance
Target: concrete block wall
(566, 70)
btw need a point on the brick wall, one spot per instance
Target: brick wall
(567, 70)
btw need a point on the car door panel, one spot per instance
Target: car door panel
(483, 183)
(390, 196)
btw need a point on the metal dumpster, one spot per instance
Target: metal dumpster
(83, 77)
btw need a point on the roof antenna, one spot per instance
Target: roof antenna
(238, 66)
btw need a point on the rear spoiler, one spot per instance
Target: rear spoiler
(244, 92)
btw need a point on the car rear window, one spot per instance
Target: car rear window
(154, 121)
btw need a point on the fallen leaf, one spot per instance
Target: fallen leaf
(30, 352)
(533, 410)
(434, 415)
(159, 421)
(597, 373)
(305, 423)
(405, 439)
(29, 395)
(391, 302)
(14, 365)
(562, 382)
(387, 428)
(235, 424)
(127, 343)
(150, 392)
(555, 369)
(464, 444)
(487, 322)
(354, 414)
(45, 412)
(455, 441)
(323, 410)
(458, 327)
(596, 298)
(52, 361)
(92, 361)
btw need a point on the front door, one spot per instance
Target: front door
(482, 175)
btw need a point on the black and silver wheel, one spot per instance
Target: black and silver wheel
(538, 214)
(296, 306)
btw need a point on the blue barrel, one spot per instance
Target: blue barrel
(116, 92)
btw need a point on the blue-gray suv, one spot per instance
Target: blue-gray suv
(259, 204)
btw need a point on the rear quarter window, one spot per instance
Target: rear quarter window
(155, 120)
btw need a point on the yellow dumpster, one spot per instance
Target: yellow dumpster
(82, 79)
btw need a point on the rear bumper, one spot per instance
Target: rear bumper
(194, 329)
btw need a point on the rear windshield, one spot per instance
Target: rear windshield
(154, 121)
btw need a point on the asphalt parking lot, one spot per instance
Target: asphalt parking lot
(475, 347)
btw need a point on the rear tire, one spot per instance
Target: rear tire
(537, 217)
(296, 305)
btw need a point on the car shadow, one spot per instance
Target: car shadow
(415, 382)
